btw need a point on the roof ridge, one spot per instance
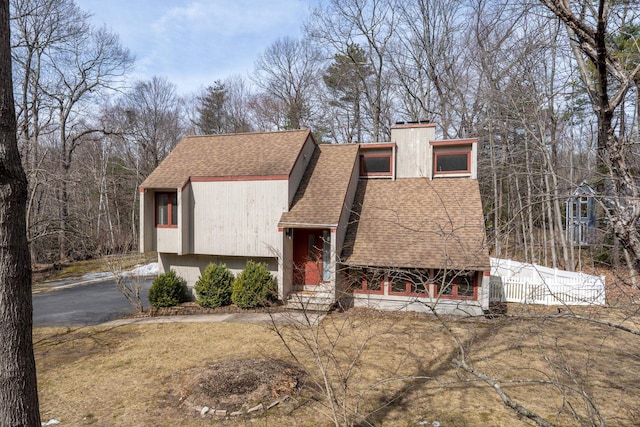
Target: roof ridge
(246, 133)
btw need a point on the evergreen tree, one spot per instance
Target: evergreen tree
(212, 117)
(346, 78)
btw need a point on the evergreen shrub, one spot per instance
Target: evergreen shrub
(168, 290)
(213, 288)
(254, 287)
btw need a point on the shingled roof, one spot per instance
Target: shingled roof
(233, 155)
(417, 223)
(321, 194)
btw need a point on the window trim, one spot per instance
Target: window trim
(424, 275)
(170, 220)
(438, 153)
(364, 282)
(408, 290)
(388, 155)
(432, 287)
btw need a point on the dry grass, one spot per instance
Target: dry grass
(132, 375)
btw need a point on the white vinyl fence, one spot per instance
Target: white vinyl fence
(513, 281)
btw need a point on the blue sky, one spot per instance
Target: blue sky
(195, 42)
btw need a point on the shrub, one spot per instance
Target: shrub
(254, 286)
(167, 290)
(213, 288)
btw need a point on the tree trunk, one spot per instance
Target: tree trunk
(18, 387)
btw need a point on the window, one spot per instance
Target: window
(399, 285)
(367, 281)
(465, 285)
(452, 162)
(167, 209)
(409, 282)
(376, 164)
(458, 285)
(584, 208)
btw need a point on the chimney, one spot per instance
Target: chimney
(413, 152)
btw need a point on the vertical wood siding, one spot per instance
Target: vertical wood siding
(238, 218)
(413, 155)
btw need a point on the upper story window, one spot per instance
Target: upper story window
(452, 162)
(376, 160)
(454, 157)
(167, 209)
(375, 165)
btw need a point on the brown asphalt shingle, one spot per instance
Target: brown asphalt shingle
(233, 155)
(321, 193)
(417, 223)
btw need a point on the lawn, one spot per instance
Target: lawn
(387, 369)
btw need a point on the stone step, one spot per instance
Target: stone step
(311, 301)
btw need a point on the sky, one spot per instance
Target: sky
(196, 42)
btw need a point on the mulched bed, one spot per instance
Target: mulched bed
(192, 308)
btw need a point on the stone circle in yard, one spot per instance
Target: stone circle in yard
(238, 385)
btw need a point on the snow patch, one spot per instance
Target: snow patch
(150, 269)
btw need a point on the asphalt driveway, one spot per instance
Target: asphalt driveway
(84, 305)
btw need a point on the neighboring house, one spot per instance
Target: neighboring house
(581, 215)
(394, 225)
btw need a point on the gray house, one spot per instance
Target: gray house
(392, 225)
(581, 215)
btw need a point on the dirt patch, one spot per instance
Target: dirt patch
(236, 385)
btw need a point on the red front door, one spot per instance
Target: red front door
(307, 256)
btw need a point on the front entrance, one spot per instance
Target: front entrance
(310, 248)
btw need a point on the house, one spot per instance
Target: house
(393, 225)
(581, 215)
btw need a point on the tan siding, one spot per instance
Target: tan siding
(474, 161)
(184, 223)
(413, 159)
(238, 218)
(167, 239)
(190, 267)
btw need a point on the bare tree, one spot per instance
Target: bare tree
(287, 72)
(431, 63)
(143, 126)
(75, 67)
(152, 122)
(127, 283)
(18, 386)
(371, 25)
(38, 28)
(608, 82)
